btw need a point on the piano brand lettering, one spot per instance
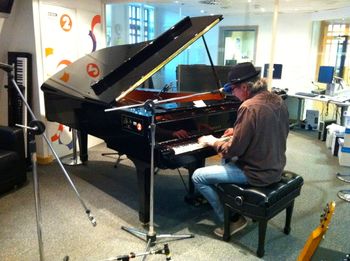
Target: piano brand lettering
(51, 14)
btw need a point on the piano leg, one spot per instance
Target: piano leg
(83, 146)
(143, 171)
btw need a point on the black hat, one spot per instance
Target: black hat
(242, 72)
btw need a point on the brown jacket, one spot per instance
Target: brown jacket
(259, 139)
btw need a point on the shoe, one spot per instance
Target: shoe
(234, 227)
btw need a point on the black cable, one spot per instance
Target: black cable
(327, 108)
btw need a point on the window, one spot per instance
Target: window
(334, 48)
(141, 23)
(237, 44)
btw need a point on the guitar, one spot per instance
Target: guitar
(315, 237)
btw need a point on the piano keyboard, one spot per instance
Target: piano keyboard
(21, 79)
(21, 69)
(17, 112)
(193, 146)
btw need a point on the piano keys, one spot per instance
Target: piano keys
(189, 146)
(81, 103)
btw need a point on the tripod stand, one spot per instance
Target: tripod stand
(151, 236)
(35, 128)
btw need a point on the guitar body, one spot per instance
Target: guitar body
(316, 236)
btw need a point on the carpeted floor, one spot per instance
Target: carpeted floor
(111, 195)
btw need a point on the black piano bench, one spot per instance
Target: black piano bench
(261, 203)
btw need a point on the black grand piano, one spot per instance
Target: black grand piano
(78, 96)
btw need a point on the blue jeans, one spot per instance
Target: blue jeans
(204, 179)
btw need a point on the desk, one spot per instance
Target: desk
(337, 101)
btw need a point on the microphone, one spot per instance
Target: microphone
(226, 89)
(6, 67)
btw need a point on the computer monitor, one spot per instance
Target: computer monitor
(325, 74)
(277, 71)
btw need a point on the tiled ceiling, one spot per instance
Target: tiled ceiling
(230, 7)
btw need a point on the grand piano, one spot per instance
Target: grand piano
(79, 95)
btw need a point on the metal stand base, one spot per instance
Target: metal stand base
(344, 195)
(151, 239)
(72, 161)
(344, 177)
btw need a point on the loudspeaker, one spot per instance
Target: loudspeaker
(322, 129)
(5, 8)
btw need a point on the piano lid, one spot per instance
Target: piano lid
(111, 73)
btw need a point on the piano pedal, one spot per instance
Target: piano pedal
(195, 200)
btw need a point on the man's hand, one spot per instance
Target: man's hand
(180, 134)
(228, 132)
(207, 140)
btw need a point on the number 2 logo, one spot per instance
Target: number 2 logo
(66, 23)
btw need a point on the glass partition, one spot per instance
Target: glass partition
(238, 44)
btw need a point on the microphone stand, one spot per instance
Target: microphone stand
(151, 236)
(35, 128)
(165, 251)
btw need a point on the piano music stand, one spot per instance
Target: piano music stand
(35, 128)
(151, 236)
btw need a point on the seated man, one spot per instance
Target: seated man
(258, 142)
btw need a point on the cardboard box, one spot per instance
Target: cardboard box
(347, 138)
(343, 154)
(332, 130)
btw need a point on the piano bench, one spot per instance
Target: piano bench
(260, 203)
